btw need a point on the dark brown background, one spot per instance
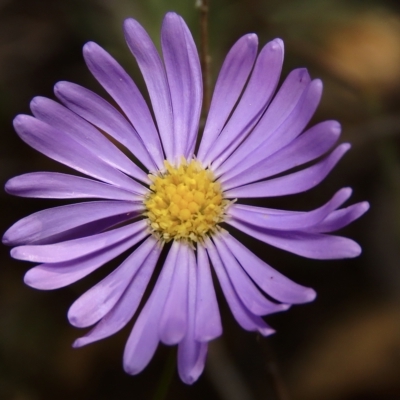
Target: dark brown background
(343, 346)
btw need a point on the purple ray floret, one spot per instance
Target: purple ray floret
(182, 197)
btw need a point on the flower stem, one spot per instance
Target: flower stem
(205, 59)
(166, 377)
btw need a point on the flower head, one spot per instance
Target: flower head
(179, 196)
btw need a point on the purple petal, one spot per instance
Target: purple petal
(144, 338)
(129, 302)
(230, 83)
(254, 101)
(283, 104)
(102, 114)
(243, 316)
(54, 276)
(184, 78)
(155, 77)
(307, 147)
(126, 94)
(73, 249)
(101, 298)
(311, 245)
(246, 290)
(47, 224)
(66, 121)
(208, 324)
(262, 218)
(174, 318)
(191, 354)
(53, 185)
(191, 359)
(341, 218)
(268, 279)
(296, 182)
(64, 149)
(283, 135)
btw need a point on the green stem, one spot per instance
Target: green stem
(166, 377)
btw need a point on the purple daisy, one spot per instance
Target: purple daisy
(181, 195)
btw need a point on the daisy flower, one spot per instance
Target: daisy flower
(182, 194)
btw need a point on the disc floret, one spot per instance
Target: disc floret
(185, 202)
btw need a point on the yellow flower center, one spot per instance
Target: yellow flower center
(185, 202)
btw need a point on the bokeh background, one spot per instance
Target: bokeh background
(343, 346)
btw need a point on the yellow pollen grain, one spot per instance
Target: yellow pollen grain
(184, 202)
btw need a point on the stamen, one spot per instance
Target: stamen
(185, 202)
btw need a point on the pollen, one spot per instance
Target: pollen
(185, 202)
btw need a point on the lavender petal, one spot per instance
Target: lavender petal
(283, 104)
(128, 304)
(191, 354)
(208, 324)
(123, 90)
(153, 71)
(57, 275)
(267, 278)
(254, 101)
(72, 125)
(102, 114)
(283, 135)
(259, 217)
(185, 82)
(54, 185)
(341, 218)
(246, 290)
(64, 149)
(243, 316)
(296, 182)
(307, 147)
(94, 304)
(311, 245)
(76, 248)
(144, 338)
(174, 318)
(230, 83)
(44, 225)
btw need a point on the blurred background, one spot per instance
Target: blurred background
(343, 346)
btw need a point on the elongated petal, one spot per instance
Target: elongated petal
(174, 318)
(64, 149)
(261, 218)
(296, 182)
(54, 185)
(208, 324)
(254, 101)
(341, 218)
(57, 275)
(307, 147)
(155, 77)
(144, 338)
(129, 302)
(230, 83)
(124, 91)
(284, 134)
(66, 121)
(102, 114)
(73, 249)
(246, 290)
(191, 354)
(47, 225)
(281, 107)
(184, 78)
(268, 279)
(311, 245)
(101, 298)
(243, 316)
